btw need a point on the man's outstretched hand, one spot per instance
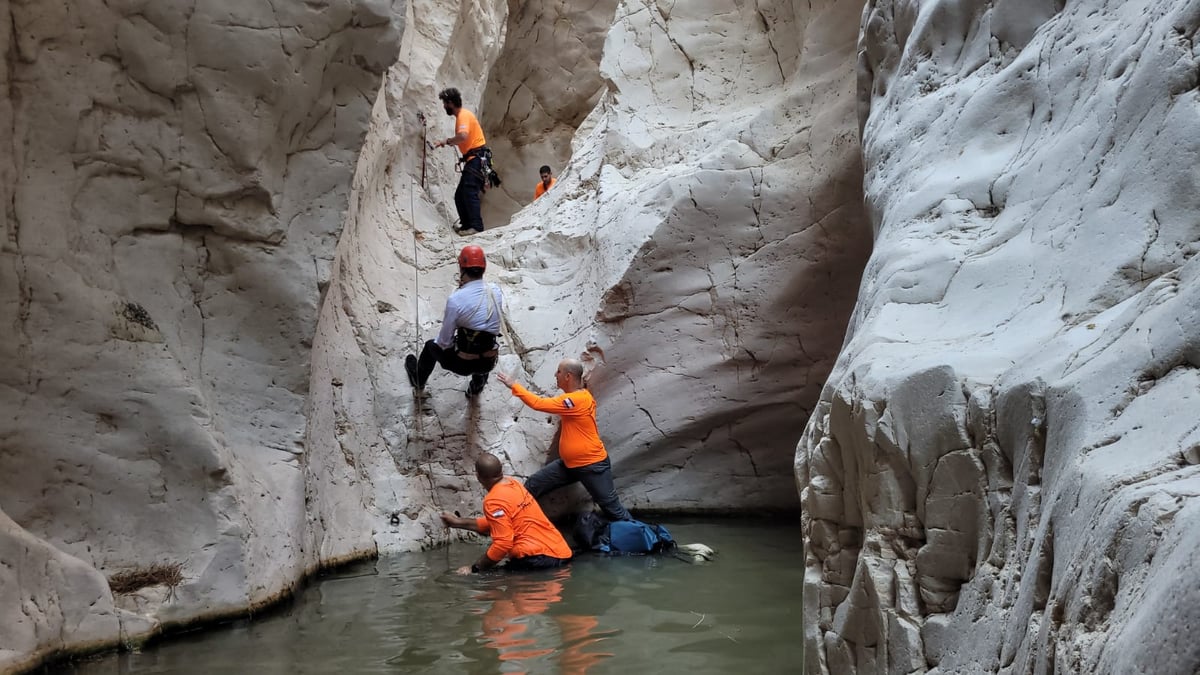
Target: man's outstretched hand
(505, 378)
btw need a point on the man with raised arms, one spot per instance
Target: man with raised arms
(582, 456)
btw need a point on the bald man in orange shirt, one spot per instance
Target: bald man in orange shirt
(582, 456)
(519, 529)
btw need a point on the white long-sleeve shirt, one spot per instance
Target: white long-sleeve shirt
(468, 307)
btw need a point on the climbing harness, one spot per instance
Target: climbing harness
(478, 344)
(487, 173)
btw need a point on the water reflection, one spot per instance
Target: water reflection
(411, 614)
(517, 621)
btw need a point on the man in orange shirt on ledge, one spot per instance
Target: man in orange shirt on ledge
(519, 529)
(582, 457)
(469, 139)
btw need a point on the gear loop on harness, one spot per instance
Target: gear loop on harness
(487, 173)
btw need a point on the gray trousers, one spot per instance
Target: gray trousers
(597, 479)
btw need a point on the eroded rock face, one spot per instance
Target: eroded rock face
(173, 180)
(1001, 475)
(196, 378)
(738, 232)
(541, 88)
(699, 252)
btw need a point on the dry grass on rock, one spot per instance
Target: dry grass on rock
(124, 583)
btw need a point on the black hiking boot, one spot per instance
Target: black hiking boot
(410, 366)
(478, 382)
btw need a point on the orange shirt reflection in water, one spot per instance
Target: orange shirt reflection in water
(506, 624)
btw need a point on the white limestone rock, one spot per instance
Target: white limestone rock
(698, 253)
(405, 460)
(197, 377)
(173, 180)
(1020, 385)
(541, 88)
(717, 334)
(48, 599)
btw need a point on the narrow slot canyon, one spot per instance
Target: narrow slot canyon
(917, 278)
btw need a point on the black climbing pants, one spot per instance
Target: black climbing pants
(469, 195)
(535, 562)
(450, 360)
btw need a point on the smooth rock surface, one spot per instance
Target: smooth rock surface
(1007, 444)
(541, 88)
(173, 179)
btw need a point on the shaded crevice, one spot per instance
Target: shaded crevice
(766, 26)
(633, 389)
(1149, 244)
(11, 59)
(745, 451)
(666, 18)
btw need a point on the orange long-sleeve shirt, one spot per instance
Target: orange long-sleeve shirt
(579, 441)
(517, 525)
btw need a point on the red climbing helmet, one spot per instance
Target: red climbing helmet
(472, 256)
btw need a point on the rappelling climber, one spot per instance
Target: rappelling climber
(582, 457)
(547, 181)
(468, 138)
(519, 529)
(466, 344)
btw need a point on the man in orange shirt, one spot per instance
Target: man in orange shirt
(468, 138)
(519, 529)
(582, 457)
(546, 183)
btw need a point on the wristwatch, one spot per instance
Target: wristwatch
(474, 568)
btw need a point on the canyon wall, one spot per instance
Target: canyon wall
(222, 235)
(173, 180)
(210, 277)
(1001, 475)
(700, 253)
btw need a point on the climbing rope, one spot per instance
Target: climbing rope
(418, 423)
(412, 217)
(424, 149)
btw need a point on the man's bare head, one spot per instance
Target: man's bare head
(569, 375)
(488, 468)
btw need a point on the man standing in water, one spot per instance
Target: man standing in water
(582, 456)
(519, 529)
(468, 138)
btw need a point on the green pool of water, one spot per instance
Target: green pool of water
(410, 613)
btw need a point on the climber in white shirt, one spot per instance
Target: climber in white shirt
(466, 344)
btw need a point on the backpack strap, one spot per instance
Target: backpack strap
(489, 297)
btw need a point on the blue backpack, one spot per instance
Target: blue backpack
(635, 537)
(622, 537)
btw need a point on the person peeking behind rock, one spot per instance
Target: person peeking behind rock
(519, 529)
(545, 183)
(582, 456)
